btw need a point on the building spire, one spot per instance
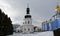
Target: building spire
(28, 9)
(27, 5)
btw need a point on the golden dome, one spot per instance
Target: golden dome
(57, 8)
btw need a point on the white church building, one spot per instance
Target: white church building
(27, 26)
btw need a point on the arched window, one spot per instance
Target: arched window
(28, 22)
(28, 29)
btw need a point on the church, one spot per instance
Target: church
(27, 26)
(54, 22)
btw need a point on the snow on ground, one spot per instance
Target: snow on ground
(48, 33)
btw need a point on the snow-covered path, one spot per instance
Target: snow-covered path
(48, 33)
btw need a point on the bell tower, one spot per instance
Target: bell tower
(27, 26)
(28, 18)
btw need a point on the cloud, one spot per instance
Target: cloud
(4, 4)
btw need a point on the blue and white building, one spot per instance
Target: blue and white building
(53, 23)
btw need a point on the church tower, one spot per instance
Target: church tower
(27, 26)
(28, 17)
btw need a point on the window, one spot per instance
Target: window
(28, 29)
(28, 22)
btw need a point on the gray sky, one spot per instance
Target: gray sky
(41, 10)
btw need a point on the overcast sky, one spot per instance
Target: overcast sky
(40, 10)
